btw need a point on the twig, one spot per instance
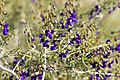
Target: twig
(44, 64)
(21, 59)
(10, 71)
(53, 75)
(82, 72)
(103, 45)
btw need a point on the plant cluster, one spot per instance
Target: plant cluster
(59, 42)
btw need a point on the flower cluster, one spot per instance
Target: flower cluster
(25, 75)
(48, 36)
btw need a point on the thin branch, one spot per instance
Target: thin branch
(21, 59)
(103, 45)
(53, 75)
(44, 64)
(10, 71)
(82, 72)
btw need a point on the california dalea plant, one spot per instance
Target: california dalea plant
(59, 40)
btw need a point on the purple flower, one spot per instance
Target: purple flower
(40, 36)
(62, 35)
(22, 62)
(112, 48)
(45, 45)
(77, 41)
(61, 14)
(74, 20)
(43, 18)
(28, 70)
(58, 40)
(69, 22)
(104, 77)
(73, 17)
(114, 8)
(94, 64)
(110, 11)
(28, 73)
(96, 7)
(5, 30)
(71, 42)
(53, 48)
(66, 26)
(112, 61)
(54, 42)
(6, 25)
(106, 55)
(33, 77)
(47, 41)
(97, 77)
(63, 26)
(110, 64)
(22, 75)
(33, 39)
(104, 64)
(15, 61)
(40, 76)
(107, 41)
(91, 15)
(62, 55)
(107, 75)
(48, 34)
(67, 51)
(91, 77)
(52, 31)
(11, 77)
(42, 40)
(118, 48)
(78, 36)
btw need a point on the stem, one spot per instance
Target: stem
(21, 59)
(44, 64)
(10, 71)
(103, 45)
(84, 61)
(82, 72)
(5, 52)
(53, 76)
